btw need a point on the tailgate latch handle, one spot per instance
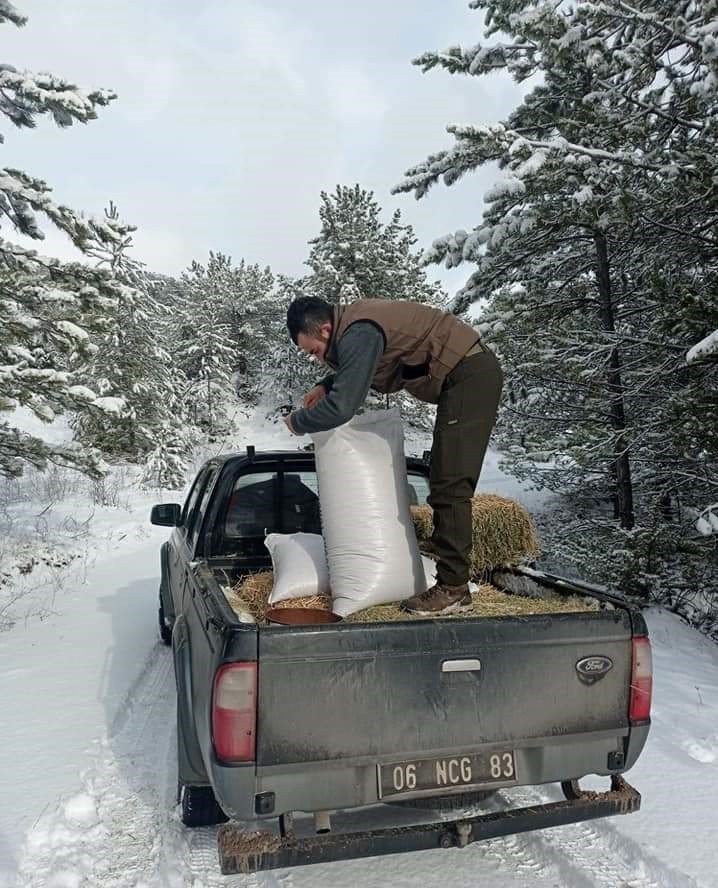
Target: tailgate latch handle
(461, 666)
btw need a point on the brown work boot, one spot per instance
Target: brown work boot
(438, 600)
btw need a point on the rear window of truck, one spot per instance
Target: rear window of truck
(280, 501)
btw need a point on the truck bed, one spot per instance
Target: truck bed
(248, 596)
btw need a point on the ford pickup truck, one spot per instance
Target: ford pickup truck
(434, 713)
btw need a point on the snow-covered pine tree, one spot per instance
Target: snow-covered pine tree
(204, 347)
(252, 315)
(49, 310)
(133, 363)
(595, 283)
(288, 374)
(356, 254)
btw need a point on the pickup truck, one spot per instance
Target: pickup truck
(434, 713)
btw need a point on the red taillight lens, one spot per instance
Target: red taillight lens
(234, 712)
(639, 709)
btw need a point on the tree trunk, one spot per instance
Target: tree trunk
(209, 402)
(621, 468)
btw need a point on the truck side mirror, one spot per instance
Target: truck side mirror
(166, 514)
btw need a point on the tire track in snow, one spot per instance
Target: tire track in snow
(123, 829)
(592, 854)
(109, 835)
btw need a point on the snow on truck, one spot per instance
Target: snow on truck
(285, 730)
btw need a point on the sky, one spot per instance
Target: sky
(233, 115)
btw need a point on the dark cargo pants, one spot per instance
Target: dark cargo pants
(464, 419)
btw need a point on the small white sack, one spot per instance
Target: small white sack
(371, 546)
(299, 565)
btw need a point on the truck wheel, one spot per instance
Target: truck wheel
(445, 803)
(165, 630)
(199, 807)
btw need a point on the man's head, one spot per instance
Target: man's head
(310, 322)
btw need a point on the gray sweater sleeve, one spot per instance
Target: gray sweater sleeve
(358, 353)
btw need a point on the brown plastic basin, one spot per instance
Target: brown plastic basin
(300, 616)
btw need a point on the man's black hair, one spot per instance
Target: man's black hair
(306, 314)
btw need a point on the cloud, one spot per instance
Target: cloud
(233, 115)
(353, 98)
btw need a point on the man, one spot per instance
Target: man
(389, 345)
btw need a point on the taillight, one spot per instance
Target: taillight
(234, 712)
(639, 709)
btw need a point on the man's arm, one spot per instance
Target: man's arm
(358, 353)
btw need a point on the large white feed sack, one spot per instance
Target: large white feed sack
(299, 565)
(369, 538)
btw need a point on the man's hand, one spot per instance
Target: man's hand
(314, 396)
(288, 423)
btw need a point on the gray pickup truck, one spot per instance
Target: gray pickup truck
(434, 713)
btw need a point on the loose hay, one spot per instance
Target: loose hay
(502, 531)
(252, 595)
(486, 601)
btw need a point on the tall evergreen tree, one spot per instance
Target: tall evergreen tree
(133, 363)
(595, 284)
(204, 347)
(50, 311)
(356, 255)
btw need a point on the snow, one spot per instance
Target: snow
(88, 755)
(703, 349)
(111, 405)
(72, 330)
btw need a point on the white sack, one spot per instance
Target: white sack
(299, 565)
(371, 546)
(429, 570)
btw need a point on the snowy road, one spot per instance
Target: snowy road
(121, 830)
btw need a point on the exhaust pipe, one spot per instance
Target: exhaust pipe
(322, 822)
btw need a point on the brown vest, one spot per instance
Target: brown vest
(422, 344)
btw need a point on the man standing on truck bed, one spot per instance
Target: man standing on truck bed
(389, 345)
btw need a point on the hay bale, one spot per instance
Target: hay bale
(502, 532)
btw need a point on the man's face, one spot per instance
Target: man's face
(315, 344)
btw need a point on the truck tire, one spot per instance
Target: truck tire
(445, 803)
(199, 807)
(165, 630)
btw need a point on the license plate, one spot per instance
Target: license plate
(422, 775)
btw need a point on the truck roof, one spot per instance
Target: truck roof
(251, 454)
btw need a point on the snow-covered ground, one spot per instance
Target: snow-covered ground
(87, 762)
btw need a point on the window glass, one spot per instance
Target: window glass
(192, 498)
(418, 490)
(251, 506)
(199, 513)
(255, 509)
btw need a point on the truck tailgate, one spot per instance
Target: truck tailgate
(377, 691)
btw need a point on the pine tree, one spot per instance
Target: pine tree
(595, 284)
(204, 348)
(133, 363)
(50, 311)
(356, 256)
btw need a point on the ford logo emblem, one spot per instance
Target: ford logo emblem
(592, 669)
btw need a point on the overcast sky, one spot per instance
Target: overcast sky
(232, 116)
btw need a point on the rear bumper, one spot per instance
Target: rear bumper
(247, 852)
(330, 786)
